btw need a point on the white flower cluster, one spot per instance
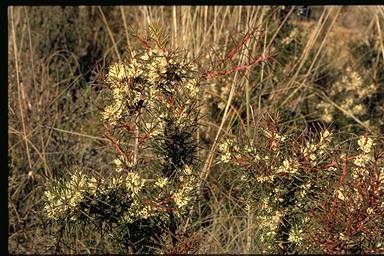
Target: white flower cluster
(269, 225)
(131, 180)
(60, 200)
(161, 182)
(296, 235)
(353, 85)
(361, 160)
(265, 178)
(365, 145)
(138, 211)
(314, 151)
(340, 194)
(144, 80)
(183, 195)
(289, 166)
(63, 198)
(225, 152)
(134, 182)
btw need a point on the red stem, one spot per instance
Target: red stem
(117, 147)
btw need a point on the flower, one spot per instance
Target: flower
(365, 144)
(187, 170)
(325, 136)
(117, 72)
(191, 85)
(180, 199)
(340, 195)
(225, 154)
(361, 160)
(134, 182)
(263, 179)
(161, 182)
(295, 236)
(119, 165)
(64, 197)
(288, 166)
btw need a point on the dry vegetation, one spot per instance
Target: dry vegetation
(284, 137)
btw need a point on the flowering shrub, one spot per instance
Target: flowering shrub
(151, 104)
(306, 194)
(352, 221)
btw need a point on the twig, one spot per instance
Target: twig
(117, 147)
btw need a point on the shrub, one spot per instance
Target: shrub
(151, 103)
(307, 193)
